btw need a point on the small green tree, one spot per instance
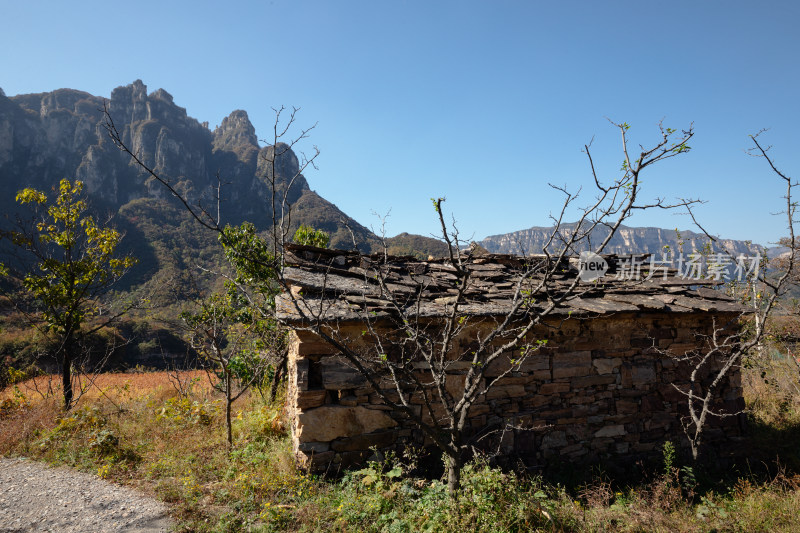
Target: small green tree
(237, 341)
(311, 237)
(70, 262)
(252, 289)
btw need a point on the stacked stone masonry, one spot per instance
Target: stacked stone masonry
(607, 382)
(600, 387)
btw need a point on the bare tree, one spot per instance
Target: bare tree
(419, 349)
(414, 352)
(725, 349)
(256, 260)
(282, 146)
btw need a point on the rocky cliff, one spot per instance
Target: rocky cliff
(627, 240)
(48, 136)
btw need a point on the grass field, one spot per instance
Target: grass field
(164, 433)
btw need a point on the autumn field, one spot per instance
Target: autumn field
(113, 385)
(164, 433)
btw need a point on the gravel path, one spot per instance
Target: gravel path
(34, 497)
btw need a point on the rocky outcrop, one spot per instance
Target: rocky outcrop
(236, 133)
(44, 135)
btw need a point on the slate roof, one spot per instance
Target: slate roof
(340, 285)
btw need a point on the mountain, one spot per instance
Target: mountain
(416, 245)
(627, 240)
(48, 136)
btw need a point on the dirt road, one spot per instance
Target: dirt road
(35, 497)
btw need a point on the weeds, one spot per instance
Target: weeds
(182, 410)
(140, 429)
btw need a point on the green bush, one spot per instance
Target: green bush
(184, 411)
(311, 237)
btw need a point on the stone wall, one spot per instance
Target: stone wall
(600, 387)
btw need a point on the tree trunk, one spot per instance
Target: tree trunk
(66, 380)
(228, 403)
(453, 473)
(66, 373)
(276, 379)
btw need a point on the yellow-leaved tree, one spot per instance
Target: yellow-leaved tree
(68, 262)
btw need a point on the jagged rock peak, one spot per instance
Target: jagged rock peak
(136, 90)
(2, 92)
(236, 129)
(130, 102)
(161, 94)
(286, 162)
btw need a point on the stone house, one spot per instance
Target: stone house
(606, 383)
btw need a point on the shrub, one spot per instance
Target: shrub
(183, 410)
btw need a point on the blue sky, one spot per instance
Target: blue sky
(481, 102)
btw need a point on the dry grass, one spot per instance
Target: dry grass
(141, 429)
(771, 385)
(19, 427)
(164, 436)
(114, 386)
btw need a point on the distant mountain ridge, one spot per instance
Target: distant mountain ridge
(627, 240)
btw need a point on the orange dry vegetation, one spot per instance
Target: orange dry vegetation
(114, 385)
(32, 407)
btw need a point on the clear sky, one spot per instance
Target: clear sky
(481, 102)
